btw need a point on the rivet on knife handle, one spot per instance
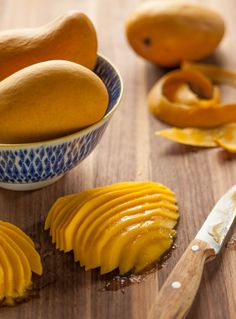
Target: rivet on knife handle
(178, 292)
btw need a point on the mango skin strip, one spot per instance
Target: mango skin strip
(229, 147)
(214, 73)
(207, 112)
(224, 136)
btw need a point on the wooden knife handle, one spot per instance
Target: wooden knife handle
(178, 292)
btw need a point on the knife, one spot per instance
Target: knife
(179, 290)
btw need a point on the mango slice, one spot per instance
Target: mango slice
(18, 258)
(223, 136)
(17, 230)
(14, 259)
(2, 288)
(8, 274)
(103, 225)
(24, 260)
(153, 244)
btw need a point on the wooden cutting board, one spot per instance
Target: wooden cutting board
(128, 151)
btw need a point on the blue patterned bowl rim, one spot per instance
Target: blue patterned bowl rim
(83, 132)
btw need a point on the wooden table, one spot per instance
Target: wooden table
(128, 151)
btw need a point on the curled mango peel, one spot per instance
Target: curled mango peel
(187, 97)
(127, 225)
(224, 136)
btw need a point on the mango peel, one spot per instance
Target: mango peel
(127, 225)
(18, 259)
(224, 136)
(188, 99)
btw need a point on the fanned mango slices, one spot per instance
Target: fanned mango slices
(224, 136)
(127, 225)
(18, 258)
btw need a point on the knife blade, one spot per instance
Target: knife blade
(219, 221)
(179, 290)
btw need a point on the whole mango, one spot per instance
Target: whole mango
(71, 37)
(168, 32)
(49, 100)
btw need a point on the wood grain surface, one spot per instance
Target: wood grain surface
(128, 151)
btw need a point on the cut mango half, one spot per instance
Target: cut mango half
(103, 225)
(18, 259)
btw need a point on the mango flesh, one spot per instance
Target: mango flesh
(103, 226)
(70, 37)
(14, 259)
(144, 243)
(18, 259)
(49, 100)
(168, 32)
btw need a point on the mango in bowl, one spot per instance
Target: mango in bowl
(34, 165)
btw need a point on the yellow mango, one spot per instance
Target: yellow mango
(56, 208)
(29, 251)
(99, 231)
(140, 248)
(111, 260)
(60, 229)
(110, 202)
(102, 196)
(50, 100)
(60, 214)
(62, 210)
(8, 274)
(169, 32)
(93, 252)
(24, 261)
(99, 224)
(70, 37)
(96, 230)
(19, 283)
(17, 230)
(18, 258)
(152, 253)
(2, 283)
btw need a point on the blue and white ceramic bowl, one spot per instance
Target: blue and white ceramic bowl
(35, 165)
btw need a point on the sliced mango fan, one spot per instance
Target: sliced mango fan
(187, 99)
(18, 259)
(127, 225)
